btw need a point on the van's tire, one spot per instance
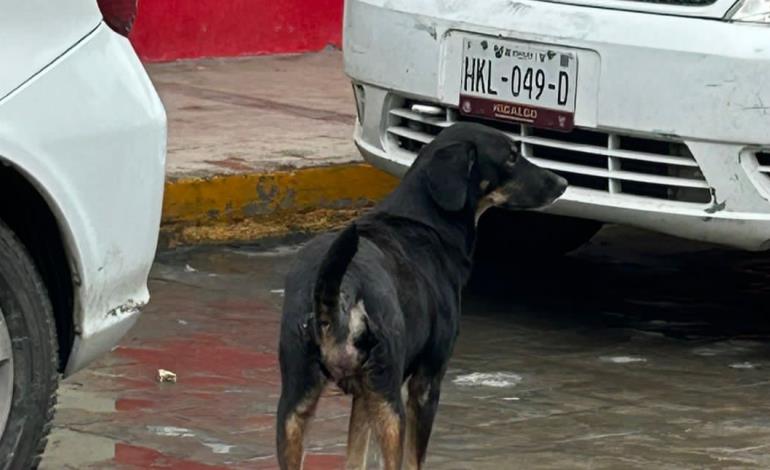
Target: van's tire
(27, 318)
(507, 239)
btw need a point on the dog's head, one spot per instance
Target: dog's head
(474, 164)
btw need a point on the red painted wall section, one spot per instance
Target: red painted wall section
(183, 29)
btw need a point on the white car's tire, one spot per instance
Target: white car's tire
(28, 357)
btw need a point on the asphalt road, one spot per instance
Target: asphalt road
(638, 351)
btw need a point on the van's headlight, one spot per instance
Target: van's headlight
(752, 11)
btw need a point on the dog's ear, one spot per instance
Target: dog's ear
(448, 173)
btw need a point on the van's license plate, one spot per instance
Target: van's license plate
(513, 81)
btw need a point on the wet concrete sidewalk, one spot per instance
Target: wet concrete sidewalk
(624, 355)
(260, 147)
(256, 114)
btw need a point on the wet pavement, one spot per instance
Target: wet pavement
(638, 351)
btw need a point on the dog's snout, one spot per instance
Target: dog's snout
(561, 184)
(555, 185)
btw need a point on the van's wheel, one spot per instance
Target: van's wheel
(507, 239)
(28, 358)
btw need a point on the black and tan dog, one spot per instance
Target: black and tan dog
(378, 305)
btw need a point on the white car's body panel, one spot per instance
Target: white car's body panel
(33, 33)
(696, 82)
(715, 9)
(490, 8)
(90, 131)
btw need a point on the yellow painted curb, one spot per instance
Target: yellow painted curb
(249, 206)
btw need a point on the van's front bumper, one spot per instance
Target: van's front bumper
(696, 84)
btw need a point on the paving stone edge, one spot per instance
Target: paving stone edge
(252, 206)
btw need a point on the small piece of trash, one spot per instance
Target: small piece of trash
(277, 291)
(218, 448)
(622, 359)
(493, 379)
(166, 376)
(511, 398)
(182, 322)
(743, 365)
(189, 269)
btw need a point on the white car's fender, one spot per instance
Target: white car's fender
(90, 132)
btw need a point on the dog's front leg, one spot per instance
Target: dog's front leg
(422, 405)
(387, 418)
(359, 433)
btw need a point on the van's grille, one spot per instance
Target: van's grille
(654, 167)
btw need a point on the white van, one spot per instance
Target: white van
(657, 112)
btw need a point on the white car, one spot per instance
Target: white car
(82, 155)
(657, 112)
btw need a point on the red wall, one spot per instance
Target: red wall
(180, 29)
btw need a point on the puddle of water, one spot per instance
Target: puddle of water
(622, 359)
(170, 431)
(743, 365)
(493, 379)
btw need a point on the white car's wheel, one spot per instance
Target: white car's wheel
(6, 372)
(28, 358)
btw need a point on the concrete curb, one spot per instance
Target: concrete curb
(252, 206)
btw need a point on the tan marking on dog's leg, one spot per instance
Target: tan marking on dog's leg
(295, 432)
(411, 462)
(296, 425)
(388, 427)
(420, 413)
(410, 428)
(359, 433)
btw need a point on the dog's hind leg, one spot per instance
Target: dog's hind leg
(301, 385)
(387, 419)
(421, 408)
(294, 412)
(359, 433)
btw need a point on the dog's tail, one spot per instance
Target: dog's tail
(333, 267)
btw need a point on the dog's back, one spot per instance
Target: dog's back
(398, 269)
